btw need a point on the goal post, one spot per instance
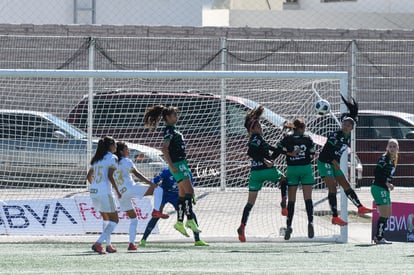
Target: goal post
(45, 161)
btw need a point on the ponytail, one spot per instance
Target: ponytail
(120, 146)
(102, 149)
(154, 114)
(252, 117)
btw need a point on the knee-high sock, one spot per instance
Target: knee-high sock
(246, 212)
(382, 223)
(158, 191)
(133, 229)
(291, 212)
(196, 234)
(188, 206)
(150, 226)
(333, 203)
(180, 209)
(106, 233)
(309, 209)
(352, 196)
(283, 189)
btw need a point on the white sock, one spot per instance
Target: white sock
(157, 198)
(101, 238)
(106, 234)
(133, 230)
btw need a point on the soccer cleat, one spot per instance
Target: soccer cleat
(381, 241)
(284, 209)
(143, 243)
(158, 214)
(192, 225)
(132, 247)
(201, 243)
(98, 248)
(338, 221)
(110, 249)
(363, 210)
(288, 231)
(311, 232)
(240, 231)
(179, 226)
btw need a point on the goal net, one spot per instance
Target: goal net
(50, 121)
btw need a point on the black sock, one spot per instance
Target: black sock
(291, 212)
(309, 210)
(150, 226)
(188, 206)
(352, 196)
(333, 204)
(283, 189)
(196, 234)
(246, 212)
(382, 223)
(180, 209)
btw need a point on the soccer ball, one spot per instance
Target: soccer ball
(322, 107)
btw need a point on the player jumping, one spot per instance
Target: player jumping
(170, 195)
(328, 164)
(174, 153)
(299, 149)
(262, 168)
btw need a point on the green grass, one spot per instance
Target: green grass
(219, 258)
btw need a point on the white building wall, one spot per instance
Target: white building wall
(360, 14)
(367, 6)
(36, 11)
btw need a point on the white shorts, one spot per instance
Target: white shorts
(135, 191)
(104, 203)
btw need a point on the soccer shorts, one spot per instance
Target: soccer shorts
(258, 177)
(301, 174)
(183, 172)
(132, 192)
(170, 197)
(381, 195)
(104, 203)
(328, 170)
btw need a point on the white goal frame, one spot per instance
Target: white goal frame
(223, 75)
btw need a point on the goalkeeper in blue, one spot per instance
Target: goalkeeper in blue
(170, 195)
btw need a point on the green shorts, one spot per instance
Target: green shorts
(301, 174)
(381, 196)
(328, 170)
(258, 177)
(183, 172)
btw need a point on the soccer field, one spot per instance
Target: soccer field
(218, 258)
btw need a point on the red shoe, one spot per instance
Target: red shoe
(132, 247)
(363, 210)
(240, 231)
(158, 214)
(338, 221)
(98, 248)
(110, 249)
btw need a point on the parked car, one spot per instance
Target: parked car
(120, 114)
(39, 149)
(373, 130)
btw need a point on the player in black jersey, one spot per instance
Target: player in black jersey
(299, 150)
(262, 168)
(328, 164)
(174, 152)
(381, 187)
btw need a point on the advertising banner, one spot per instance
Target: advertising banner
(399, 225)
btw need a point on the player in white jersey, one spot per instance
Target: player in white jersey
(101, 179)
(130, 190)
